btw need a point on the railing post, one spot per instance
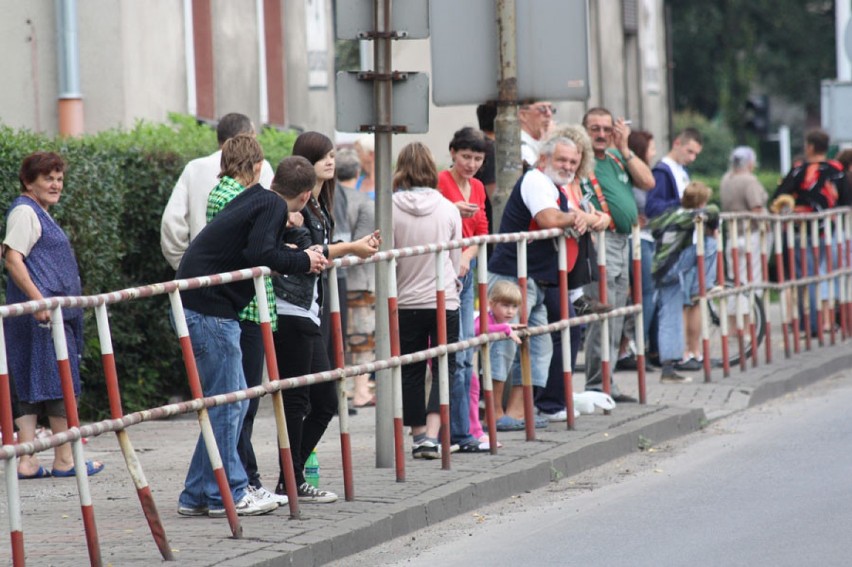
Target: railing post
(841, 278)
(785, 305)
(805, 289)
(723, 305)
(752, 324)
(443, 370)
(815, 250)
(339, 362)
(396, 373)
(606, 375)
(792, 293)
(134, 467)
(702, 294)
(735, 260)
(487, 385)
(10, 465)
(564, 313)
(829, 271)
(764, 297)
(60, 345)
(526, 364)
(639, 316)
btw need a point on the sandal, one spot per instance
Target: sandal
(509, 423)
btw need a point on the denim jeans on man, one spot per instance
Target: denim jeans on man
(676, 290)
(541, 347)
(822, 269)
(216, 347)
(460, 387)
(551, 398)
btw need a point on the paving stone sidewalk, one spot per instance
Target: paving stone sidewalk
(383, 508)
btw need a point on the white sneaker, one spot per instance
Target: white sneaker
(262, 495)
(248, 505)
(561, 415)
(309, 493)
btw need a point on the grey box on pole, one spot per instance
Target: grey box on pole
(355, 107)
(409, 18)
(837, 110)
(552, 50)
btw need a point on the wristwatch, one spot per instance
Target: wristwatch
(630, 157)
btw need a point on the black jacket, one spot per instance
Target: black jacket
(298, 289)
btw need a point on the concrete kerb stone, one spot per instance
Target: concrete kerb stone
(811, 367)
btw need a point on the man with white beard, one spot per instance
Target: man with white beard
(536, 203)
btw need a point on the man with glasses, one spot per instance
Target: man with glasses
(536, 118)
(610, 189)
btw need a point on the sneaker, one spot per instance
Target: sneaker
(561, 415)
(690, 364)
(192, 510)
(585, 305)
(248, 505)
(262, 495)
(674, 378)
(425, 450)
(310, 493)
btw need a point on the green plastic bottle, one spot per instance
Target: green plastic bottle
(312, 470)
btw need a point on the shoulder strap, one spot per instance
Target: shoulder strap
(601, 199)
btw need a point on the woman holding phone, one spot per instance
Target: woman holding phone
(460, 187)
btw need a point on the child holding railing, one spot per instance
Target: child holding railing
(504, 300)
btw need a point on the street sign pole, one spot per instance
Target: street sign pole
(506, 126)
(383, 99)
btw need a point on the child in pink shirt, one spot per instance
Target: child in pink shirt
(504, 299)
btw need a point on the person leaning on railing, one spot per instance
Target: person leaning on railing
(817, 184)
(246, 233)
(422, 216)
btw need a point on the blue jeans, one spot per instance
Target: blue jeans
(460, 387)
(541, 347)
(822, 269)
(649, 307)
(551, 398)
(675, 290)
(216, 346)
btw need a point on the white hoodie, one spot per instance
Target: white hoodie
(423, 216)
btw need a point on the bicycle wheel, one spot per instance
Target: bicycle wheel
(756, 315)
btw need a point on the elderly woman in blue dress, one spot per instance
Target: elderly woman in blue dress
(41, 264)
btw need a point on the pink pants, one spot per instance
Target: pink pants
(475, 424)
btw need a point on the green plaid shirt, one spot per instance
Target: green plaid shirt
(221, 195)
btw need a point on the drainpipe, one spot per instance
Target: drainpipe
(189, 58)
(263, 101)
(70, 98)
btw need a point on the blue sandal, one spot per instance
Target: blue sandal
(509, 423)
(91, 469)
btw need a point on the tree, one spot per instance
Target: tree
(725, 50)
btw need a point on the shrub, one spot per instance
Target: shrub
(116, 186)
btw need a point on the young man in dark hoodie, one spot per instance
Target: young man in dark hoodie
(670, 174)
(248, 232)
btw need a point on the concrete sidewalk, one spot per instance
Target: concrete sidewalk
(383, 508)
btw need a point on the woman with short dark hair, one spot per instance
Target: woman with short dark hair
(41, 264)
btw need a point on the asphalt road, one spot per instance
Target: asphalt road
(768, 486)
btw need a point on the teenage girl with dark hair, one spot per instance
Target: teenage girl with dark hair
(300, 343)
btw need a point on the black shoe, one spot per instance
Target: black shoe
(627, 363)
(653, 358)
(624, 399)
(585, 305)
(689, 365)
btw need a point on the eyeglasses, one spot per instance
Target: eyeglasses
(542, 108)
(604, 129)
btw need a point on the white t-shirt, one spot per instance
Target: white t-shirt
(23, 230)
(539, 192)
(681, 176)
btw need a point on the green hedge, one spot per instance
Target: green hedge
(117, 183)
